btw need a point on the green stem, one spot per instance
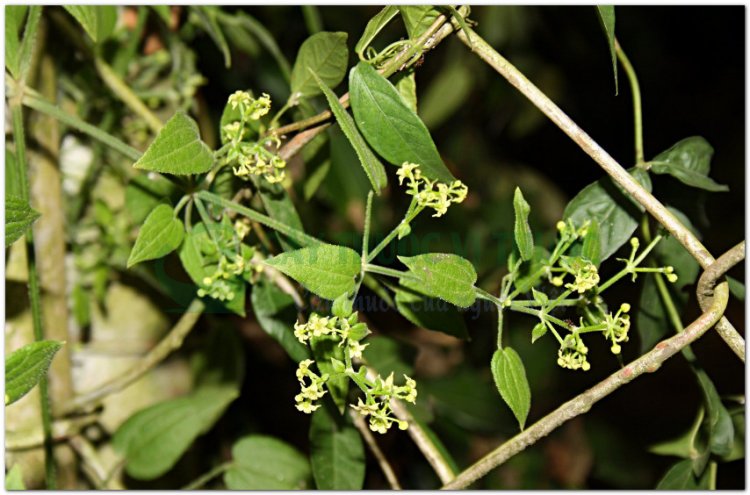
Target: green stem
(483, 294)
(312, 19)
(262, 219)
(411, 214)
(563, 302)
(41, 105)
(499, 326)
(542, 315)
(629, 267)
(205, 478)
(35, 299)
(388, 272)
(126, 95)
(368, 219)
(637, 109)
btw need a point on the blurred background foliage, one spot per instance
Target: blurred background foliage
(690, 62)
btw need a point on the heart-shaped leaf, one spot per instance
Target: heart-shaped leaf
(161, 234)
(177, 149)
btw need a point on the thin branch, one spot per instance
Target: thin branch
(62, 429)
(92, 465)
(724, 328)
(205, 478)
(171, 342)
(648, 363)
(364, 430)
(587, 144)
(635, 89)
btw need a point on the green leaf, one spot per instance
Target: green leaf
(430, 313)
(325, 270)
(154, 439)
(390, 126)
(177, 149)
(207, 17)
(615, 212)
(689, 445)
(370, 164)
(591, 244)
(14, 18)
(417, 18)
(679, 477)
(26, 366)
(721, 429)
(279, 206)
(200, 259)
(521, 229)
(510, 378)
(266, 463)
(14, 479)
(98, 20)
(538, 332)
(324, 54)
(738, 449)
(736, 287)
(406, 85)
(276, 314)
(337, 454)
(18, 217)
(446, 276)
(161, 234)
(19, 49)
(164, 12)
(445, 94)
(607, 19)
(374, 26)
(688, 161)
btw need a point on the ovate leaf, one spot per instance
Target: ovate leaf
(18, 216)
(325, 270)
(390, 126)
(538, 331)
(324, 54)
(26, 366)
(374, 26)
(406, 85)
(611, 207)
(161, 234)
(265, 463)
(679, 477)
(688, 161)
(417, 18)
(721, 428)
(153, 439)
(336, 452)
(370, 164)
(98, 20)
(607, 18)
(591, 244)
(207, 17)
(510, 378)
(177, 149)
(276, 313)
(521, 229)
(446, 276)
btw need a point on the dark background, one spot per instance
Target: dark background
(691, 66)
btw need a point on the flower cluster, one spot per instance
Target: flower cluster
(431, 193)
(311, 391)
(377, 404)
(378, 392)
(585, 273)
(250, 158)
(347, 329)
(572, 353)
(617, 327)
